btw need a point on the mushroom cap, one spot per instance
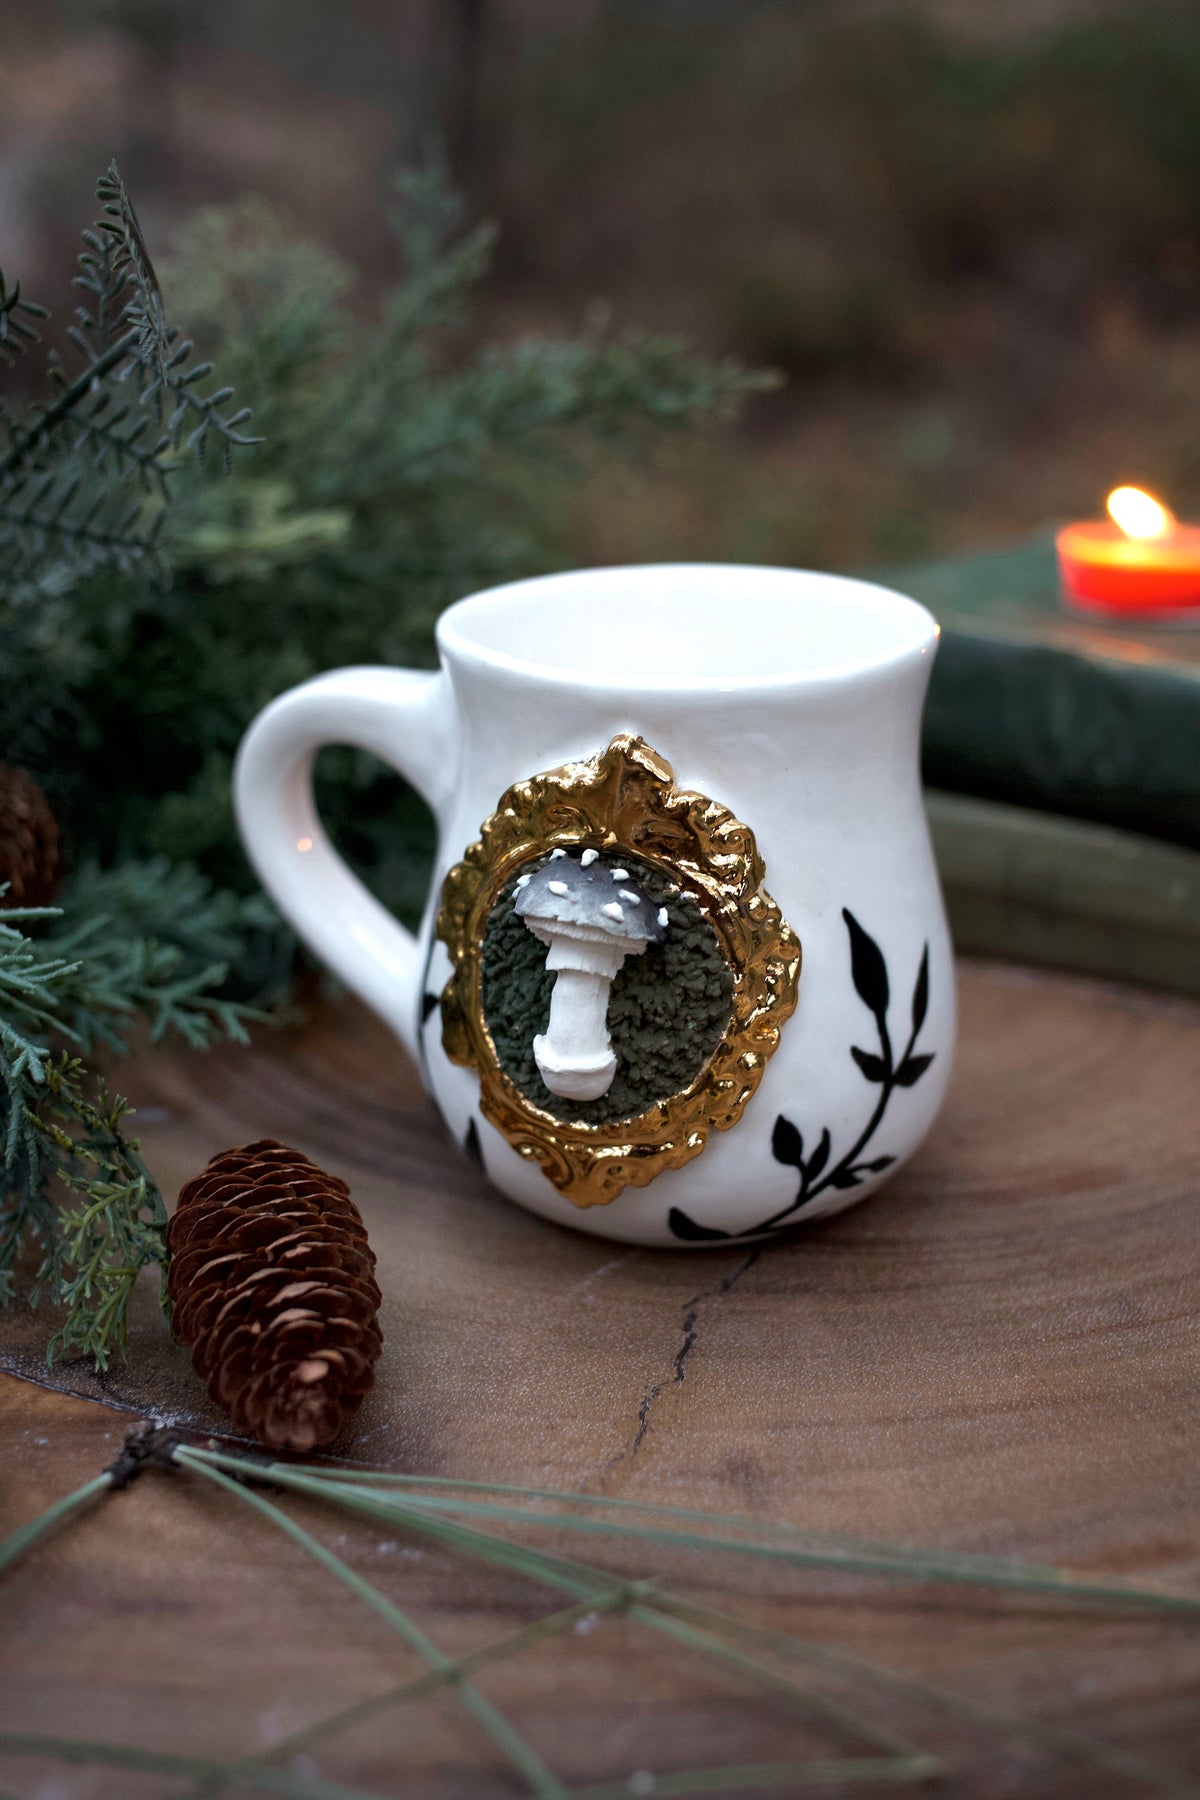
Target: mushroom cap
(597, 898)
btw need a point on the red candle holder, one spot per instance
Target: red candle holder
(1137, 564)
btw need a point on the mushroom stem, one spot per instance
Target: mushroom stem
(575, 1055)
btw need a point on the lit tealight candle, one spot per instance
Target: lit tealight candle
(1141, 565)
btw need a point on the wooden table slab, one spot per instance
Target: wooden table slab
(1001, 1352)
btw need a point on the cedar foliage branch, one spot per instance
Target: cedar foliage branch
(402, 466)
(145, 942)
(66, 506)
(153, 597)
(85, 482)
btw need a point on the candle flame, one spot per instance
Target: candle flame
(1138, 514)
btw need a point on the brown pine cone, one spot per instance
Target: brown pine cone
(273, 1285)
(29, 856)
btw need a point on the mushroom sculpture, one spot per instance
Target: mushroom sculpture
(591, 918)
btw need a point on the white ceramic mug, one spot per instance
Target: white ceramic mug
(791, 699)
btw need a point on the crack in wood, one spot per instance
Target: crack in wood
(691, 1330)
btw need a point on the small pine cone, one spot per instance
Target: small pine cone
(29, 857)
(273, 1286)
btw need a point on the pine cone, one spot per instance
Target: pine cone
(273, 1285)
(29, 860)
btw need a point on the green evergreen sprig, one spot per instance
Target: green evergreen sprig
(66, 508)
(151, 603)
(17, 332)
(403, 464)
(120, 1224)
(145, 943)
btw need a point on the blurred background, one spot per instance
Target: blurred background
(965, 232)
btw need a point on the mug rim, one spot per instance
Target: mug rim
(914, 632)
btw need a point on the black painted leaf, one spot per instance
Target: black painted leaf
(471, 1144)
(912, 1069)
(873, 1067)
(787, 1146)
(686, 1228)
(428, 1005)
(867, 966)
(876, 1167)
(818, 1159)
(920, 999)
(844, 1178)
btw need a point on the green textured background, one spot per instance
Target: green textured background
(668, 1009)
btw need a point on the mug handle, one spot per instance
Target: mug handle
(402, 716)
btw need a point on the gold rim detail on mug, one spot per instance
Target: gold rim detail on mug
(624, 799)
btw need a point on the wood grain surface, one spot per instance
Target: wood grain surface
(1000, 1352)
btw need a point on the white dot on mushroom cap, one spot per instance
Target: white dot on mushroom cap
(619, 874)
(524, 880)
(556, 853)
(588, 858)
(662, 915)
(557, 887)
(611, 911)
(633, 899)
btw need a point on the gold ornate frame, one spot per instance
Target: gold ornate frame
(625, 799)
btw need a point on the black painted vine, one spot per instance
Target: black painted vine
(881, 1068)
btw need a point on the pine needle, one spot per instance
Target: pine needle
(423, 1687)
(19, 1541)
(900, 1763)
(827, 1771)
(663, 1611)
(1072, 1746)
(702, 1630)
(92, 1751)
(840, 1554)
(573, 1577)
(507, 1739)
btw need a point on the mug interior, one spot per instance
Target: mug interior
(678, 625)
